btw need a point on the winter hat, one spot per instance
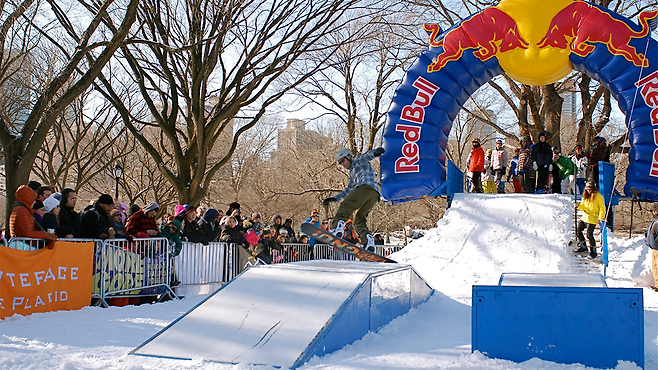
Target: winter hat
(105, 199)
(476, 140)
(234, 205)
(288, 220)
(178, 209)
(37, 205)
(255, 215)
(315, 212)
(115, 212)
(525, 138)
(499, 141)
(542, 133)
(152, 207)
(189, 209)
(209, 215)
(50, 203)
(122, 207)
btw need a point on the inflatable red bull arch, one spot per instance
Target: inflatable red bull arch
(535, 43)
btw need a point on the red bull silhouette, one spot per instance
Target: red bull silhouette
(491, 31)
(580, 24)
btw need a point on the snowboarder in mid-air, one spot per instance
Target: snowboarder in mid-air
(360, 195)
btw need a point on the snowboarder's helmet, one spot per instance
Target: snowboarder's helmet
(343, 153)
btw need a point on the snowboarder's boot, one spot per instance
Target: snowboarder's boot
(339, 231)
(592, 252)
(370, 244)
(582, 248)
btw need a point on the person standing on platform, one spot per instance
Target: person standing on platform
(594, 212)
(476, 166)
(499, 165)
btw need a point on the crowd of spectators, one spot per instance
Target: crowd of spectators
(40, 213)
(535, 168)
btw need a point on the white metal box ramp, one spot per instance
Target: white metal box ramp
(282, 315)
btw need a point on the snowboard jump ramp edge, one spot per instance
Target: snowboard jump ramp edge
(282, 315)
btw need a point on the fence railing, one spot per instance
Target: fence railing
(145, 267)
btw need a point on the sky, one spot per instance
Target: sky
(480, 237)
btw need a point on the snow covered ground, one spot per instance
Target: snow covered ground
(479, 238)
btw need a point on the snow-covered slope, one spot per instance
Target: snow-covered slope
(480, 237)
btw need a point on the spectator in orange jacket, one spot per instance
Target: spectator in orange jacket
(476, 165)
(21, 221)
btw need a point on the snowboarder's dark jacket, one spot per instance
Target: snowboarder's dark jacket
(542, 153)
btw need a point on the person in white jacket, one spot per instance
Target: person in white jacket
(499, 165)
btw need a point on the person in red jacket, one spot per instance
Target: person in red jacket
(476, 165)
(21, 221)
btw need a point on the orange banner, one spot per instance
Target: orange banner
(46, 279)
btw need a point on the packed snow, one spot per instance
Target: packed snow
(479, 238)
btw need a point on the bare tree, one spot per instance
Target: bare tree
(41, 95)
(358, 84)
(82, 144)
(199, 65)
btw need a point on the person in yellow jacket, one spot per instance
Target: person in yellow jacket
(593, 209)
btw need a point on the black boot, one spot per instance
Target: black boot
(582, 248)
(592, 252)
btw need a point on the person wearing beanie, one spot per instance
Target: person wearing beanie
(581, 161)
(594, 213)
(542, 162)
(142, 223)
(652, 242)
(191, 229)
(21, 221)
(117, 224)
(39, 211)
(499, 165)
(96, 221)
(524, 166)
(209, 224)
(476, 166)
(287, 224)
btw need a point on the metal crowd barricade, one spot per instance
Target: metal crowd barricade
(327, 252)
(141, 267)
(203, 264)
(386, 250)
(293, 252)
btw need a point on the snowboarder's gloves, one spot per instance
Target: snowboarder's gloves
(329, 200)
(379, 151)
(550, 167)
(534, 166)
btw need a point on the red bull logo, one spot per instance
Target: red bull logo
(581, 24)
(490, 32)
(414, 114)
(649, 91)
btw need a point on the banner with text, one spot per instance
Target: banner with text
(45, 280)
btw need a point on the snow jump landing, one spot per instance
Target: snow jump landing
(282, 315)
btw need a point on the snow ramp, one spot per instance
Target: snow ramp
(482, 236)
(282, 315)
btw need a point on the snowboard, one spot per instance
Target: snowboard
(325, 237)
